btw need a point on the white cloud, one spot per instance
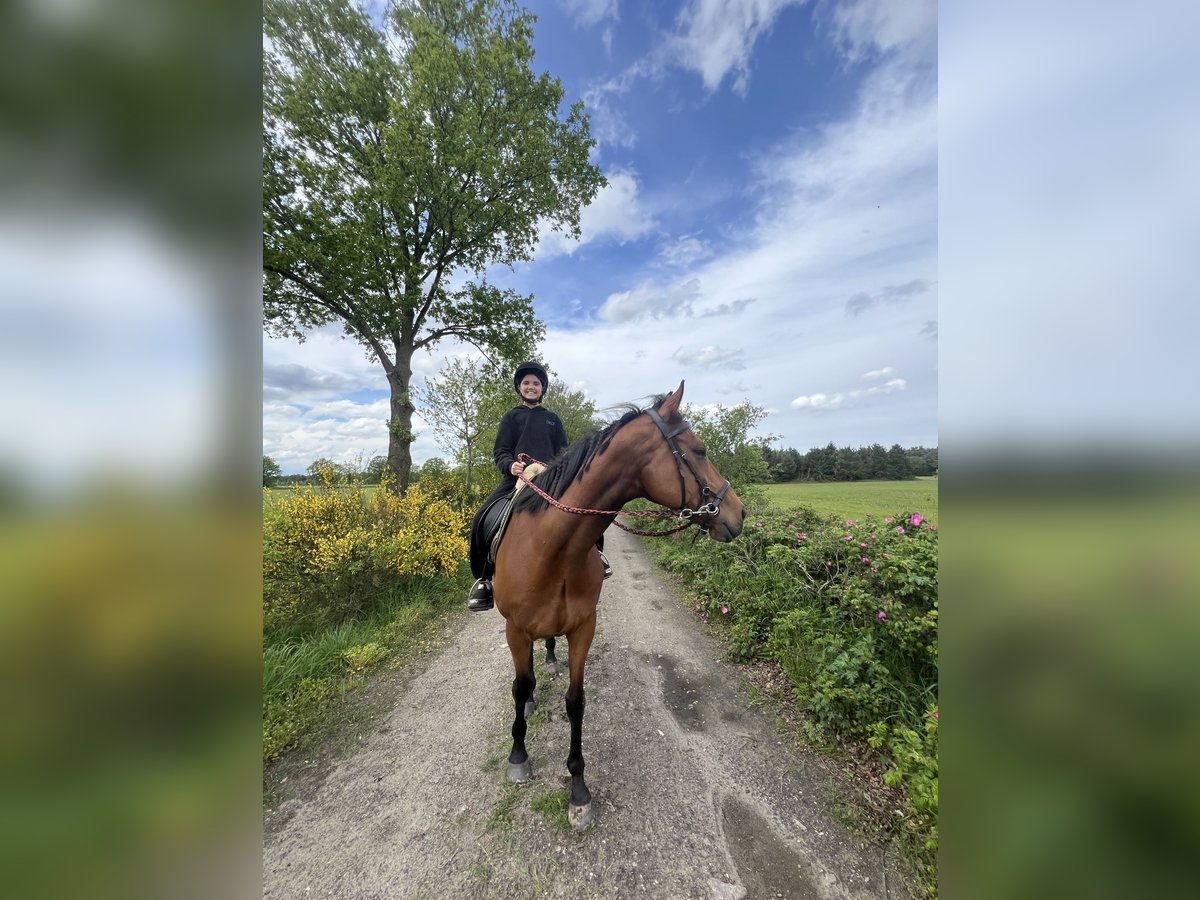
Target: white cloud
(651, 301)
(884, 25)
(716, 37)
(711, 357)
(616, 214)
(817, 401)
(685, 251)
(878, 373)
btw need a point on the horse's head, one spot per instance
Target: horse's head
(678, 473)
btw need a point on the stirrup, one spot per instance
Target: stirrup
(608, 570)
(479, 597)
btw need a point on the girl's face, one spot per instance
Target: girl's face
(531, 388)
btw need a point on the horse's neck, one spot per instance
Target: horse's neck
(606, 487)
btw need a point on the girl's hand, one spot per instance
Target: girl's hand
(517, 468)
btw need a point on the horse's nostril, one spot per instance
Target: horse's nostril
(743, 514)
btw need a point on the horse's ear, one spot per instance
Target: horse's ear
(670, 405)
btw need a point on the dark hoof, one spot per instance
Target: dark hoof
(529, 708)
(519, 773)
(552, 667)
(582, 817)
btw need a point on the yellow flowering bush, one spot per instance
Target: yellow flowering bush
(330, 550)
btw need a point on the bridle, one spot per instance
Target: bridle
(707, 509)
(686, 516)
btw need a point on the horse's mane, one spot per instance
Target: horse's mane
(570, 465)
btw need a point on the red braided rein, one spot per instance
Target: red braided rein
(649, 513)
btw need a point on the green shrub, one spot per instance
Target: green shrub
(329, 551)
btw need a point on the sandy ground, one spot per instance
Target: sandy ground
(698, 796)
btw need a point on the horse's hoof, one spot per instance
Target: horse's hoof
(582, 817)
(529, 708)
(519, 773)
(552, 667)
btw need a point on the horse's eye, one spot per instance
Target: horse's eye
(700, 451)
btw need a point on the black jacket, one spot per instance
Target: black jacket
(536, 431)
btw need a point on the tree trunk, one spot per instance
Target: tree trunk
(400, 436)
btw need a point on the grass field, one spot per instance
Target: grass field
(854, 499)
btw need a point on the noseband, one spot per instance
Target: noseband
(708, 507)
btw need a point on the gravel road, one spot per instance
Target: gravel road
(698, 795)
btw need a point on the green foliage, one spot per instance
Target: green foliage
(849, 609)
(271, 472)
(330, 550)
(363, 656)
(830, 463)
(290, 715)
(725, 432)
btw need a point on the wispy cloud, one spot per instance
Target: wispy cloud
(590, 12)
(711, 357)
(897, 293)
(716, 37)
(652, 301)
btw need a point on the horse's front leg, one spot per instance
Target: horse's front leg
(551, 659)
(581, 811)
(521, 648)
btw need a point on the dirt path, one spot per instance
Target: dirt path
(698, 797)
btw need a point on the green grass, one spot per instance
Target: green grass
(304, 674)
(854, 499)
(553, 805)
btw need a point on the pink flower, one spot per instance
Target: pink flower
(697, 606)
(873, 569)
(917, 519)
(861, 544)
(899, 529)
(887, 521)
(935, 713)
(866, 561)
(802, 536)
(848, 537)
(724, 610)
(932, 527)
(829, 565)
(884, 555)
(874, 536)
(849, 521)
(882, 616)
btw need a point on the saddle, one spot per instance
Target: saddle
(496, 514)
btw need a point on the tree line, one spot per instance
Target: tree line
(830, 463)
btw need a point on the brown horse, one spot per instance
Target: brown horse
(548, 571)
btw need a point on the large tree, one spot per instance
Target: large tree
(398, 165)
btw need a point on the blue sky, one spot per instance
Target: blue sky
(769, 232)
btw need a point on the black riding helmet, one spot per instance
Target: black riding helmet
(531, 368)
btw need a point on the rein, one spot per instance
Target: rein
(686, 516)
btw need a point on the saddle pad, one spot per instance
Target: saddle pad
(501, 523)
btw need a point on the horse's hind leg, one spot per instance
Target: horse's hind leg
(551, 659)
(521, 648)
(531, 702)
(581, 811)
